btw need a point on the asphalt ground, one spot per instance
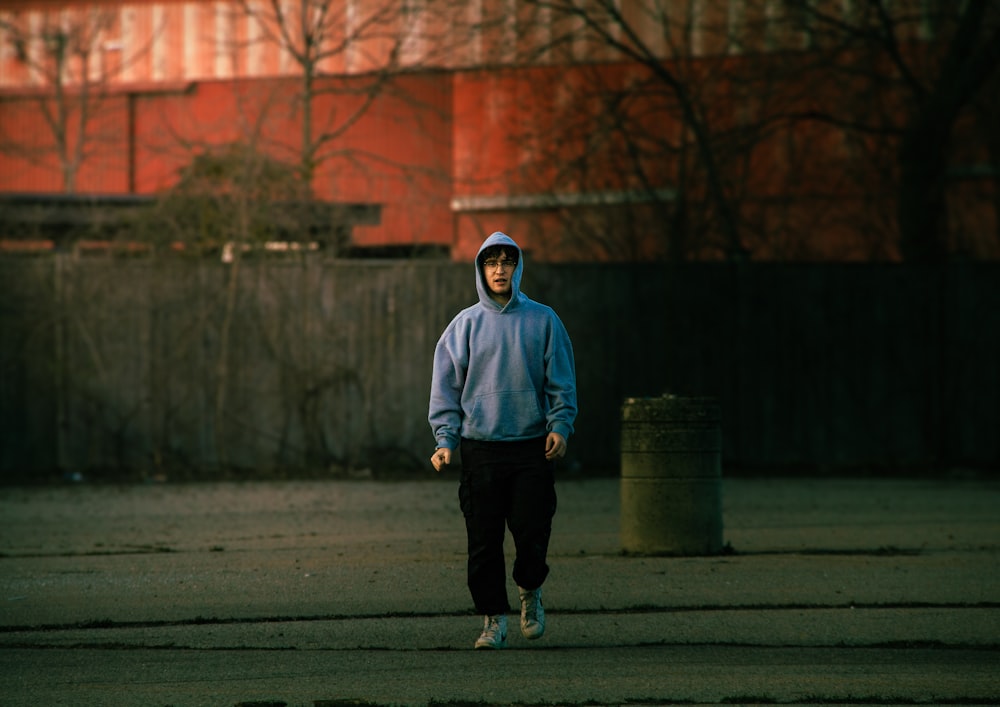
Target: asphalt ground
(832, 591)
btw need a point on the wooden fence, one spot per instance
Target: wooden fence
(138, 367)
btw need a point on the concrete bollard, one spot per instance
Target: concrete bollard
(671, 486)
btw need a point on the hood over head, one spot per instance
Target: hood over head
(499, 238)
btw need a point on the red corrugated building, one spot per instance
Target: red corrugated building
(460, 118)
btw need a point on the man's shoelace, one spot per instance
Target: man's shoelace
(531, 606)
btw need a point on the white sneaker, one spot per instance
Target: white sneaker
(532, 613)
(494, 633)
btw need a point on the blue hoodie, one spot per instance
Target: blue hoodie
(502, 373)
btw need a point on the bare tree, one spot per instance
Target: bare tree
(917, 71)
(323, 37)
(225, 201)
(645, 143)
(63, 55)
(346, 56)
(718, 89)
(259, 189)
(631, 123)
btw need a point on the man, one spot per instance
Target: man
(504, 393)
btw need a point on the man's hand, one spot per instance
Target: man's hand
(555, 446)
(441, 458)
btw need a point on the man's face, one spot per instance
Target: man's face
(498, 272)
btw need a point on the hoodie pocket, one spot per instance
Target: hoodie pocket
(512, 414)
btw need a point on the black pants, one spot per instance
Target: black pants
(506, 483)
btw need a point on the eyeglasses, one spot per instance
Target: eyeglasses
(493, 264)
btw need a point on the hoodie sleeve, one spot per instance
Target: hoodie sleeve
(560, 380)
(451, 365)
